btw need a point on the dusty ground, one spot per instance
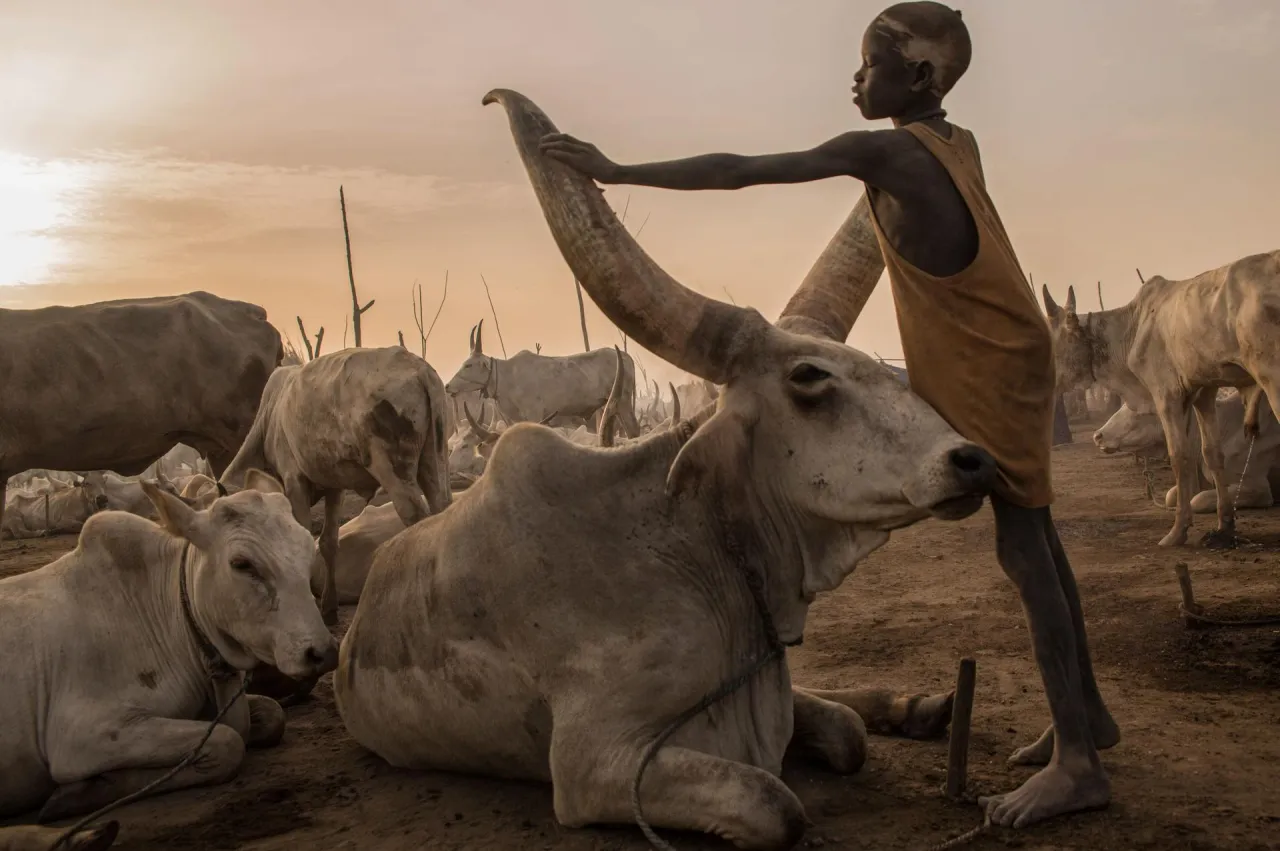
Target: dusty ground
(1199, 767)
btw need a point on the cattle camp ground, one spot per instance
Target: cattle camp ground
(1199, 708)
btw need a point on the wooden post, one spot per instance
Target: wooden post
(1061, 426)
(356, 310)
(1189, 606)
(961, 723)
(1101, 306)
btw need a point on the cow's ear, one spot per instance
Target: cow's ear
(178, 518)
(257, 480)
(94, 839)
(721, 447)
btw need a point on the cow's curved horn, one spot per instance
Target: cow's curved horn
(609, 413)
(222, 489)
(478, 348)
(675, 404)
(485, 434)
(698, 334)
(472, 338)
(546, 421)
(830, 298)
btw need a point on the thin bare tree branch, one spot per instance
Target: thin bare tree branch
(356, 310)
(494, 311)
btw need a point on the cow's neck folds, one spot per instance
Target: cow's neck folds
(1109, 334)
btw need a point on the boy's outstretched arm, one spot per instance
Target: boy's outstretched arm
(873, 156)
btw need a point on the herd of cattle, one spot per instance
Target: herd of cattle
(550, 563)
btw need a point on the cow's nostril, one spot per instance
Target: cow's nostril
(970, 460)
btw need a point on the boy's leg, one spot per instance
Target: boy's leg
(1074, 778)
(1106, 734)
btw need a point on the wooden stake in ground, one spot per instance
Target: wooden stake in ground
(1101, 306)
(356, 310)
(961, 722)
(312, 354)
(1189, 606)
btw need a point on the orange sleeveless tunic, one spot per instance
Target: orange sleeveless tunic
(976, 345)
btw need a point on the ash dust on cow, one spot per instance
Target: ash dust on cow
(1198, 708)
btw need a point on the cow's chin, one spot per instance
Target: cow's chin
(956, 508)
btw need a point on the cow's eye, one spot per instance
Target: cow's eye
(807, 373)
(243, 565)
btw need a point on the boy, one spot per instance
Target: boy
(976, 345)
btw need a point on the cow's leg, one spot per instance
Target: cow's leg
(396, 475)
(1074, 778)
(93, 773)
(1106, 733)
(1173, 416)
(682, 790)
(887, 713)
(827, 732)
(1205, 403)
(266, 722)
(329, 555)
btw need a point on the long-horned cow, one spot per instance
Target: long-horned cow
(1177, 342)
(576, 600)
(140, 632)
(530, 387)
(354, 419)
(114, 385)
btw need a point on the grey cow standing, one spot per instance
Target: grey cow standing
(355, 420)
(570, 389)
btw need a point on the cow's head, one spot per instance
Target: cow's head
(476, 372)
(92, 487)
(1073, 346)
(818, 435)
(1130, 431)
(250, 577)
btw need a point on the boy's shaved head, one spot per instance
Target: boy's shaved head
(925, 31)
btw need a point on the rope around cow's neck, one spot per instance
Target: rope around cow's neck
(776, 650)
(216, 673)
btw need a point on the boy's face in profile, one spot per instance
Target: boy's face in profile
(886, 84)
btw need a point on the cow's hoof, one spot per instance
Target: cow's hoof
(1219, 539)
(1176, 538)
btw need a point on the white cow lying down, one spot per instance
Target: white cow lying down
(574, 601)
(1142, 434)
(113, 688)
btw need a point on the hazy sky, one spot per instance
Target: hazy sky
(161, 147)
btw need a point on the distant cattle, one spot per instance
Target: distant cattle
(532, 387)
(1176, 343)
(114, 385)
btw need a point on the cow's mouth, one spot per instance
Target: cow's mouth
(957, 508)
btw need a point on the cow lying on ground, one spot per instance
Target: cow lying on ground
(576, 600)
(134, 642)
(1177, 342)
(55, 509)
(355, 420)
(1142, 434)
(112, 386)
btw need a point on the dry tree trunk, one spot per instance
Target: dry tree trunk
(356, 310)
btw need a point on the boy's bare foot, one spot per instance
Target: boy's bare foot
(1053, 791)
(1106, 734)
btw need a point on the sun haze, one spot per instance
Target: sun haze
(153, 147)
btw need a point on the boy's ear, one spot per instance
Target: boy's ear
(925, 76)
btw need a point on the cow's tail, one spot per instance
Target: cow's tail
(433, 463)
